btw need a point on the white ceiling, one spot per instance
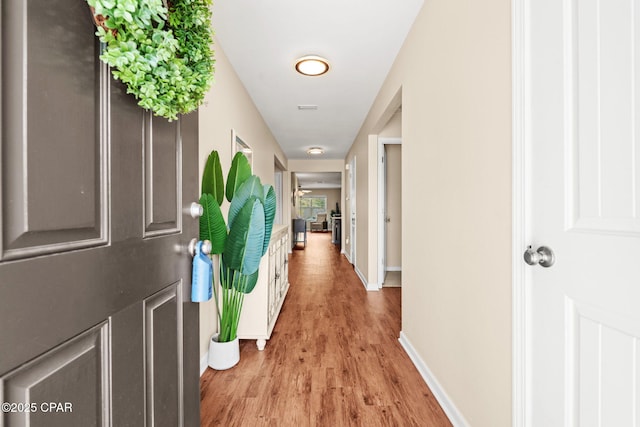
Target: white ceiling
(360, 38)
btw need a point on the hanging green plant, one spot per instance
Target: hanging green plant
(163, 55)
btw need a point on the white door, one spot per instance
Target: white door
(393, 208)
(585, 203)
(390, 208)
(382, 209)
(352, 210)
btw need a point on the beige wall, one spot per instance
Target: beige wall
(393, 129)
(453, 80)
(334, 195)
(228, 106)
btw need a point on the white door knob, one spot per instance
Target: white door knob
(206, 247)
(196, 210)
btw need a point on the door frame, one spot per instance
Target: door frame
(382, 201)
(521, 277)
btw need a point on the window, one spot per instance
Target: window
(310, 206)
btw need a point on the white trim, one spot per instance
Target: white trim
(394, 269)
(520, 347)
(449, 408)
(204, 363)
(381, 203)
(368, 286)
(346, 255)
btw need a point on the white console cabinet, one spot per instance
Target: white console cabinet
(262, 306)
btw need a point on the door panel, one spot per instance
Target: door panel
(127, 343)
(602, 62)
(605, 360)
(584, 206)
(43, 215)
(162, 347)
(74, 376)
(162, 178)
(95, 196)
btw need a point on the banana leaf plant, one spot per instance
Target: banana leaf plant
(242, 240)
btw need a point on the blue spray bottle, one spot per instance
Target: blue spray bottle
(201, 288)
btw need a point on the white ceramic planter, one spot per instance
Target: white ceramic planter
(223, 355)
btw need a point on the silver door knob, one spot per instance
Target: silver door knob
(196, 210)
(206, 247)
(544, 256)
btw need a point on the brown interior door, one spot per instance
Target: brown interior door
(94, 274)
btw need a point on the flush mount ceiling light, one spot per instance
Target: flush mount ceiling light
(312, 65)
(315, 151)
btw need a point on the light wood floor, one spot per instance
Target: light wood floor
(333, 360)
(393, 279)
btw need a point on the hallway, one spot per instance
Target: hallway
(333, 360)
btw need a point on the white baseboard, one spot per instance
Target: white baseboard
(449, 408)
(204, 363)
(368, 286)
(346, 255)
(393, 268)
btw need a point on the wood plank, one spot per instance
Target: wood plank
(334, 358)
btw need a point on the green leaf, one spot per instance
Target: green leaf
(212, 182)
(252, 187)
(212, 226)
(248, 283)
(269, 215)
(178, 44)
(243, 249)
(239, 172)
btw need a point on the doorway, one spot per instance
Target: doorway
(390, 212)
(318, 200)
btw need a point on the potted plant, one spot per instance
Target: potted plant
(241, 241)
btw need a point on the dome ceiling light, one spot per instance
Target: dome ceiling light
(315, 151)
(312, 65)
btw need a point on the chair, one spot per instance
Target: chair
(300, 231)
(320, 223)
